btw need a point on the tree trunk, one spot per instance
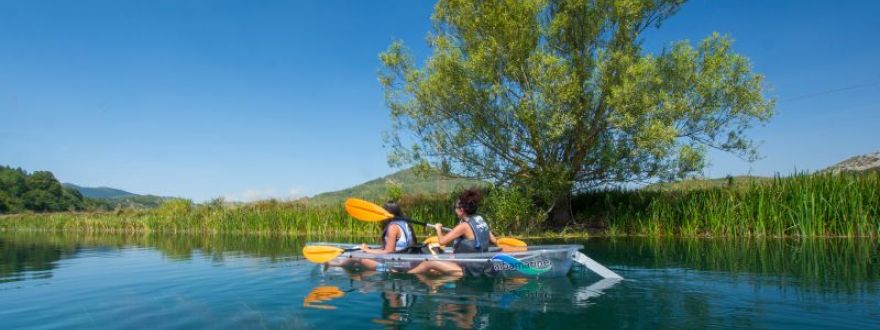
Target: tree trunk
(561, 215)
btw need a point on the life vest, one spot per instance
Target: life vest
(406, 239)
(480, 243)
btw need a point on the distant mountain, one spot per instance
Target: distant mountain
(99, 192)
(409, 180)
(868, 162)
(116, 198)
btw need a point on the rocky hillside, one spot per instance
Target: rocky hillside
(868, 162)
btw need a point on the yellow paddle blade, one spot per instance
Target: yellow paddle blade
(433, 240)
(510, 242)
(514, 249)
(366, 211)
(320, 254)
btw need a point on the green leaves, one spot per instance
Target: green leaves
(558, 95)
(38, 191)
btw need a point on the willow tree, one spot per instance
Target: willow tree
(559, 96)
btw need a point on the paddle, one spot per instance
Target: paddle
(502, 242)
(510, 242)
(366, 211)
(507, 244)
(320, 254)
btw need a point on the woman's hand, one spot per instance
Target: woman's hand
(365, 248)
(439, 228)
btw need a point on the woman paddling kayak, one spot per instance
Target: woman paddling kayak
(471, 235)
(397, 237)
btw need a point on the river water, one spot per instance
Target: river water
(63, 281)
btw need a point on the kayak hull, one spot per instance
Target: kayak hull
(538, 261)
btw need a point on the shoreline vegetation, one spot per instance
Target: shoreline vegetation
(802, 205)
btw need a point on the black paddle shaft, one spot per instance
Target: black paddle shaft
(425, 224)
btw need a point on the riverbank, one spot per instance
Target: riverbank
(820, 205)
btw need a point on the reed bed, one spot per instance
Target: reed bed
(802, 205)
(263, 218)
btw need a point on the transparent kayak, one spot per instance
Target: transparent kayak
(533, 261)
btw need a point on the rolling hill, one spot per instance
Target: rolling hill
(116, 198)
(409, 180)
(99, 192)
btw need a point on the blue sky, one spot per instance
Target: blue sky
(256, 99)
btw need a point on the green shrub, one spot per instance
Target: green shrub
(511, 210)
(176, 207)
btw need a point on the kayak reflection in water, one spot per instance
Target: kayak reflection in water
(398, 302)
(397, 237)
(395, 308)
(461, 313)
(472, 234)
(434, 283)
(424, 300)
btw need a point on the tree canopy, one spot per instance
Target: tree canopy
(557, 96)
(38, 191)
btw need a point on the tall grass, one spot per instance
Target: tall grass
(262, 218)
(801, 205)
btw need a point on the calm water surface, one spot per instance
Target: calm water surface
(85, 281)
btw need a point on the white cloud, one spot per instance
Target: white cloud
(256, 194)
(294, 193)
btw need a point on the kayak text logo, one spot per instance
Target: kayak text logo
(528, 267)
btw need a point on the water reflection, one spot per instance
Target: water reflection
(452, 301)
(26, 255)
(395, 308)
(830, 265)
(827, 265)
(20, 257)
(193, 281)
(319, 295)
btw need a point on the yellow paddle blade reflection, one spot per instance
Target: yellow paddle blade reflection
(322, 294)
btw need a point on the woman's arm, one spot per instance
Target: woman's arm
(456, 232)
(390, 240)
(492, 239)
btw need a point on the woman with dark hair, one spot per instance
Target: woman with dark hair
(471, 235)
(397, 236)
